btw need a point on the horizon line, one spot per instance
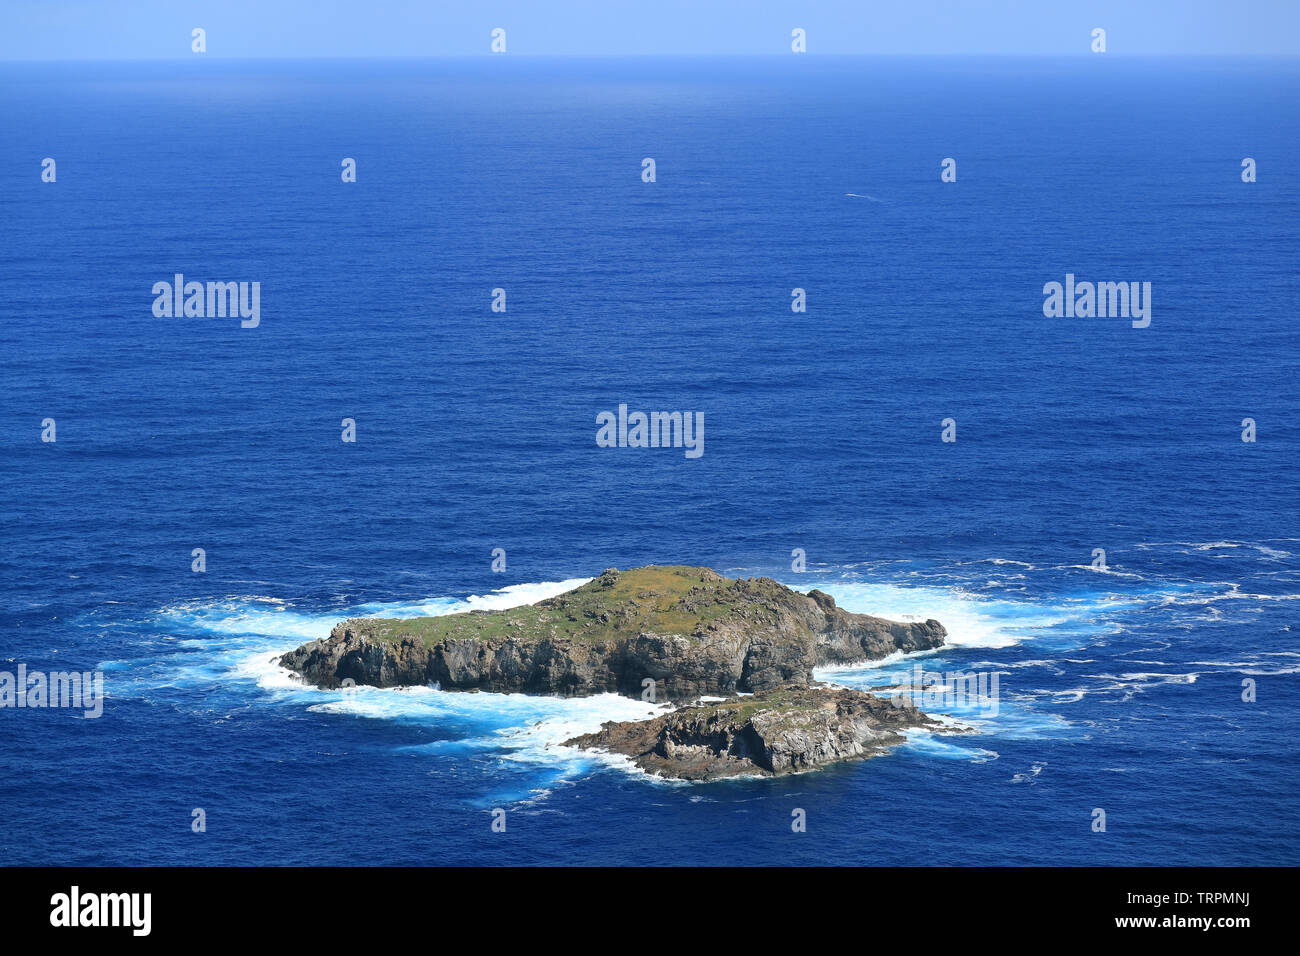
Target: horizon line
(622, 56)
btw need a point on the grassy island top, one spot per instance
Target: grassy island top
(664, 599)
(782, 701)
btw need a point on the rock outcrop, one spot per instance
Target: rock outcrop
(780, 731)
(690, 630)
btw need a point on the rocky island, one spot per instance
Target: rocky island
(690, 631)
(786, 730)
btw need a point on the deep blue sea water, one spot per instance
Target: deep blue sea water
(1120, 690)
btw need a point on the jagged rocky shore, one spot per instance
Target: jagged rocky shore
(786, 730)
(690, 631)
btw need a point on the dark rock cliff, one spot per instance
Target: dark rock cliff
(780, 731)
(690, 630)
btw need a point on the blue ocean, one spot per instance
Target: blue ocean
(1159, 687)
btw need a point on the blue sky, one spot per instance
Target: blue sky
(154, 29)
